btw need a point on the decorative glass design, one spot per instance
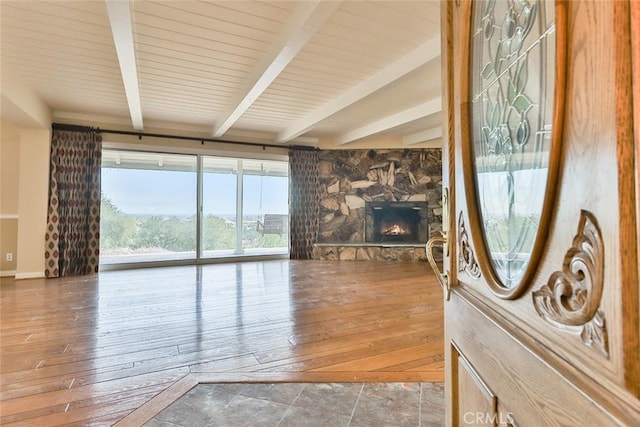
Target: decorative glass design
(512, 84)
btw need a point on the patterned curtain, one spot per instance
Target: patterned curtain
(304, 204)
(73, 218)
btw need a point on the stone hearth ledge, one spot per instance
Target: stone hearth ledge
(358, 251)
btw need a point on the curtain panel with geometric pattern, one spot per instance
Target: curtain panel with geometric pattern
(72, 241)
(304, 204)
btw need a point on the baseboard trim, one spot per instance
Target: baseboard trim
(33, 275)
(8, 273)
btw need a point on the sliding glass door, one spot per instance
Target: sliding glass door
(148, 210)
(150, 207)
(239, 198)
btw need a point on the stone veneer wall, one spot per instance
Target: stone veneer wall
(349, 178)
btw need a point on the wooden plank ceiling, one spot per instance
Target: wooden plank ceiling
(288, 71)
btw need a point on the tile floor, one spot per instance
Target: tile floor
(307, 404)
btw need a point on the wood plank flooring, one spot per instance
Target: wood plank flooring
(90, 350)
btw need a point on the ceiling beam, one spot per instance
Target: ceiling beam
(122, 30)
(308, 18)
(414, 113)
(406, 64)
(423, 136)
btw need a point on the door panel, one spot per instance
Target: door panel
(564, 348)
(526, 389)
(476, 403)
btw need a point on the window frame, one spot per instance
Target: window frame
(200, 153)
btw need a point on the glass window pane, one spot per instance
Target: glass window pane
(148, 207)
(265, 207)
(219, 190)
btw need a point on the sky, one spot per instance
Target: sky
(151, 192)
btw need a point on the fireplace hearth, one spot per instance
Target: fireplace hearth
(396, 222)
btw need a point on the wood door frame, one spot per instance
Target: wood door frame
(628, 18)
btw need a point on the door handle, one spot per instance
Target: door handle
(443, 278)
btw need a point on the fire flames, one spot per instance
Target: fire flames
(395, 230)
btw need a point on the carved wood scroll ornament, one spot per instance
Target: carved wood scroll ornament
(571, 298)
(466, 258)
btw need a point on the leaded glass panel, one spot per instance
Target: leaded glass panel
(512, 87)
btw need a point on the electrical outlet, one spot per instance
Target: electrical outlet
(9, 256)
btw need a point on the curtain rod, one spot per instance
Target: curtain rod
(62, 126)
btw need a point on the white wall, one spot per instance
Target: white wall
(33, 189)
(25, 134)
(9, 171)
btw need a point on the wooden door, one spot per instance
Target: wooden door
(542, 325)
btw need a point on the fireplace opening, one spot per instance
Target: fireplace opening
(396, 222)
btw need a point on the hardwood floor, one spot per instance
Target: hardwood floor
(89, 350)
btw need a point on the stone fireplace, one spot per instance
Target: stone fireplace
(369, 197)
(396, 222)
